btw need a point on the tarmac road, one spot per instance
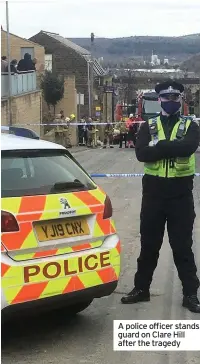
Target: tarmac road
(88, 338)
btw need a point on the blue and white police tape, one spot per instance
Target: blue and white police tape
(72, 124)
(80, 123)
(119, 175)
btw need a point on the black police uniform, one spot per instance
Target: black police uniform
(166, 200)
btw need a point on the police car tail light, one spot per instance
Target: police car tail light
(107, 208)
(8, 222)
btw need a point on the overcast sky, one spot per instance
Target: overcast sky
(106, 18)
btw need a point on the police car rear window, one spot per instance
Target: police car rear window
(41, 172)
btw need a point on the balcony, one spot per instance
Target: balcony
(21, 83)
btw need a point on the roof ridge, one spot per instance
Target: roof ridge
(75, 46)
(27, 40)
(78, 49)
(44, 31)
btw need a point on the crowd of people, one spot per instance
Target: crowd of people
(26, 64)
(87, 133)
(113, 133)
(92, 136)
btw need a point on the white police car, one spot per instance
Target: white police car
(59, 244)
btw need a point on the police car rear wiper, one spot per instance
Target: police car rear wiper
(67, 185)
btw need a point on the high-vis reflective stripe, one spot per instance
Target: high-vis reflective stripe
(31, 275)
(45, 279)
(172, 167)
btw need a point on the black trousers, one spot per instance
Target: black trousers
(108, 138)
(179, 215)
(122, 137)
(85, 134)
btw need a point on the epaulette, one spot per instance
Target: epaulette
(188, 117)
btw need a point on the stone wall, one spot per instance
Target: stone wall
(26, 109)
(68, 105)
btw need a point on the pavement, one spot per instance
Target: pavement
(88, 338)
(77, 149)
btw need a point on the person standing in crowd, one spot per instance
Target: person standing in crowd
(62, 116)
(123, 129)
(89, 133)
(13, 66)
(130, 127)
(136, 120)
(167, 144)
(108, 135)
(67, 133)
(94, 131)
(34, 63)
(4, 63)
(26, 64)
(85, 132)
(81, 131)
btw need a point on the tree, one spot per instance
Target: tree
(52, 88)
(176, 66)
(197, 97)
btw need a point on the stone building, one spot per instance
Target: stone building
(67, 58)
(26, 96)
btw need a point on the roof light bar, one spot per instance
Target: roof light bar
(22, 132)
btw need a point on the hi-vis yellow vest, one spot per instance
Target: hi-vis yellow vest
(173, 167)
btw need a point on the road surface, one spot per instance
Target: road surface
(88, 337)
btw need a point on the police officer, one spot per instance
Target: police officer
(166, 145)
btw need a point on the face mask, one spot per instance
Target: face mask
(171, 107)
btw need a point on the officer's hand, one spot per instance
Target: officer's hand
(152, 143)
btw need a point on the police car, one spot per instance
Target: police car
(59, 246)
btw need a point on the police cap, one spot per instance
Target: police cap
(169, 87)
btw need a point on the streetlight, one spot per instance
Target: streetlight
(9, 72)
(92, 75)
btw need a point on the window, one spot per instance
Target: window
(80, 99)
(29, 50)
(36, 173)
(48, 62)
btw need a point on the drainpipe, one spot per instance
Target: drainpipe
(89, 89)
(199, 98)
(9, 73)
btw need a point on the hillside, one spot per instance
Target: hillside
(192, 64)
(119, 48)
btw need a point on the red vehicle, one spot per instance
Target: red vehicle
(123, 112)
(149, 106)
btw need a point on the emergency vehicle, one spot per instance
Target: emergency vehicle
(59, 246)
(148, 105)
